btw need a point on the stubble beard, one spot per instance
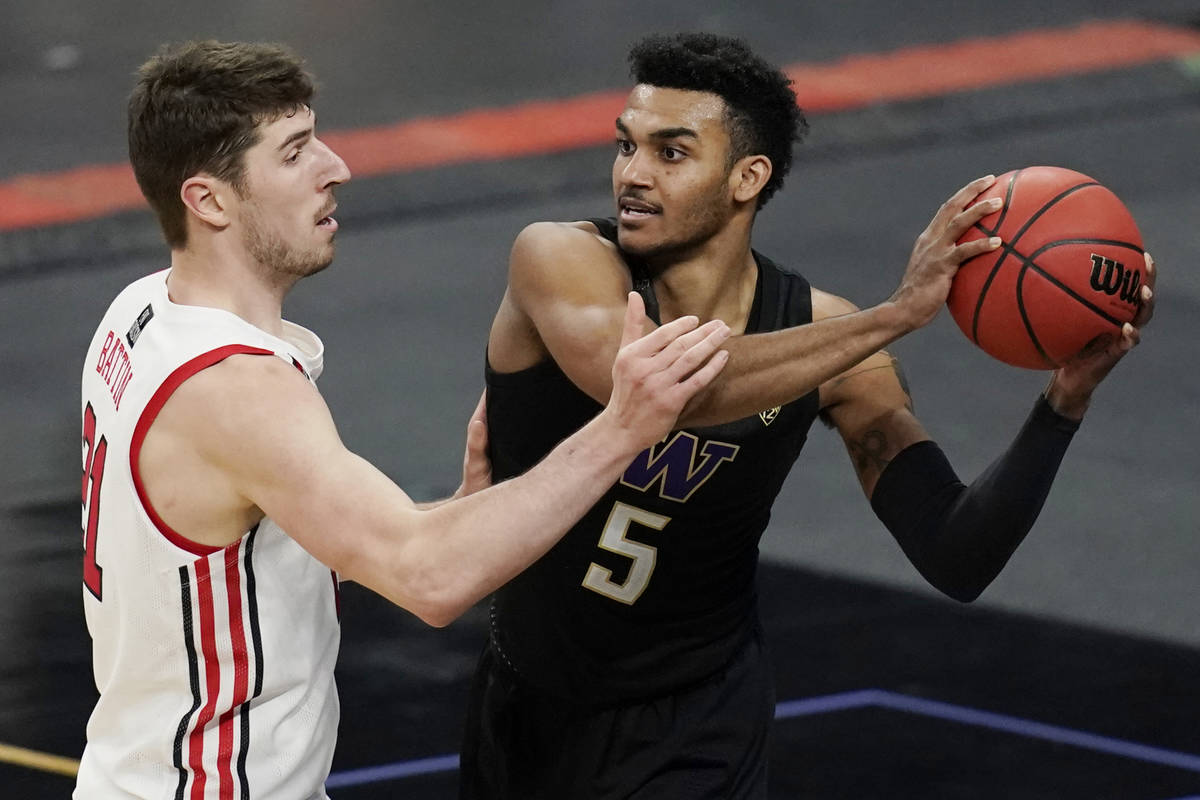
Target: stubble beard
(706, 217)
(277, 258)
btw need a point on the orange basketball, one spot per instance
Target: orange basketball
(1068, 274)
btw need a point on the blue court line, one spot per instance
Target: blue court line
(389, 772)
(827, 703)
(1039, 730)
(846, 701)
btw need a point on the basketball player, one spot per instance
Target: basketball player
(628, 661)
(220, 507)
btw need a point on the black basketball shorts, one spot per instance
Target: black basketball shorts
(707, 742)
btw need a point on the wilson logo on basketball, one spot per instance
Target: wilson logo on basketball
(1113, 278)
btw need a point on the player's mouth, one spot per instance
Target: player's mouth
(632, 209)
(326, 221)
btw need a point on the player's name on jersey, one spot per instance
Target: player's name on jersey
(114, 367)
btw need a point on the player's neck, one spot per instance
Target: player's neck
(202, 276)
(716, 280)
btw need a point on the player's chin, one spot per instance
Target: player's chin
(321, 260)
(637, 241)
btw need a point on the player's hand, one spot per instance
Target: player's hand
(655, 375)
(936, 255)
(477, 468)
(1072, 384)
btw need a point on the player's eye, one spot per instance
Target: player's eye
(295, 156)
(624, 146)
(672, 154)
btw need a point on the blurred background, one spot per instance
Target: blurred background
(1112, 568)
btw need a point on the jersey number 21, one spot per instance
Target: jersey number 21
(94, 454)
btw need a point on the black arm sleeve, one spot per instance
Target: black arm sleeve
(960, 537)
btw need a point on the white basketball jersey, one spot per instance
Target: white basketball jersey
(214, 665)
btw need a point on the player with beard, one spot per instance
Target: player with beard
(220, 507)
(628, 661)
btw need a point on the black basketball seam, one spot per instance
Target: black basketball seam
(1003, 209)
(1114, 242)
(1031, 263)
(1011, 246)
(987, 283)
(1025, 317)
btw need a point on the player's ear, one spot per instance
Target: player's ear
(749, 176)
(205, 199)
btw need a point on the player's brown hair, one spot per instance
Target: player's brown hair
(196, 107)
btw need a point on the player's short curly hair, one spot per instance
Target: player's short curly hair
(196, 107)
(761, 111)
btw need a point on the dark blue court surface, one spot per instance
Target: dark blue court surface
(883, 694)
(1074, 676)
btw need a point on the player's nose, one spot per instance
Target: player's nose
(335, 170)
(636, 170)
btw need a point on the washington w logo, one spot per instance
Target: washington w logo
(674, 464)
(1113, 278)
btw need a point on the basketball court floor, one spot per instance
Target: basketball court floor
(1073, 676)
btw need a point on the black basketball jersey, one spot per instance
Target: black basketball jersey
(654, 588)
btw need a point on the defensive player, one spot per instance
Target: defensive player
(628, 661)
(220, 507)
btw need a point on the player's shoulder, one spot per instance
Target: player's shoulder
(544, 237)
(255, 375)
(564, 251)
(826, 304)
(240, 424)
(243, 396)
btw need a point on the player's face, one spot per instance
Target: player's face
(287, 197)
(671, 173)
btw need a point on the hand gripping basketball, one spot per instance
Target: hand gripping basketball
(655, 375)
(1072, 384)
(1068, 278)
(939, 251)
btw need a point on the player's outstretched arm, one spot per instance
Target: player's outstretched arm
(438, 562)
(566, 288)
(960, 537)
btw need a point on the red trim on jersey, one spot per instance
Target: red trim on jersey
(237, 638)
(150, 412)
(212, 677)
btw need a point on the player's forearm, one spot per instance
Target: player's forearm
(770, 369)
(960, 537)
(470, 547)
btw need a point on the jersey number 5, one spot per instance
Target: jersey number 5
(599, 579)
(93, 474)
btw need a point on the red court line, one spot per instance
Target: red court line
(555, 125)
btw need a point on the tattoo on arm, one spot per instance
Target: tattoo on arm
(869, 452)
(908, 401)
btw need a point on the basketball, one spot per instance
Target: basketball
(1066, 278)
